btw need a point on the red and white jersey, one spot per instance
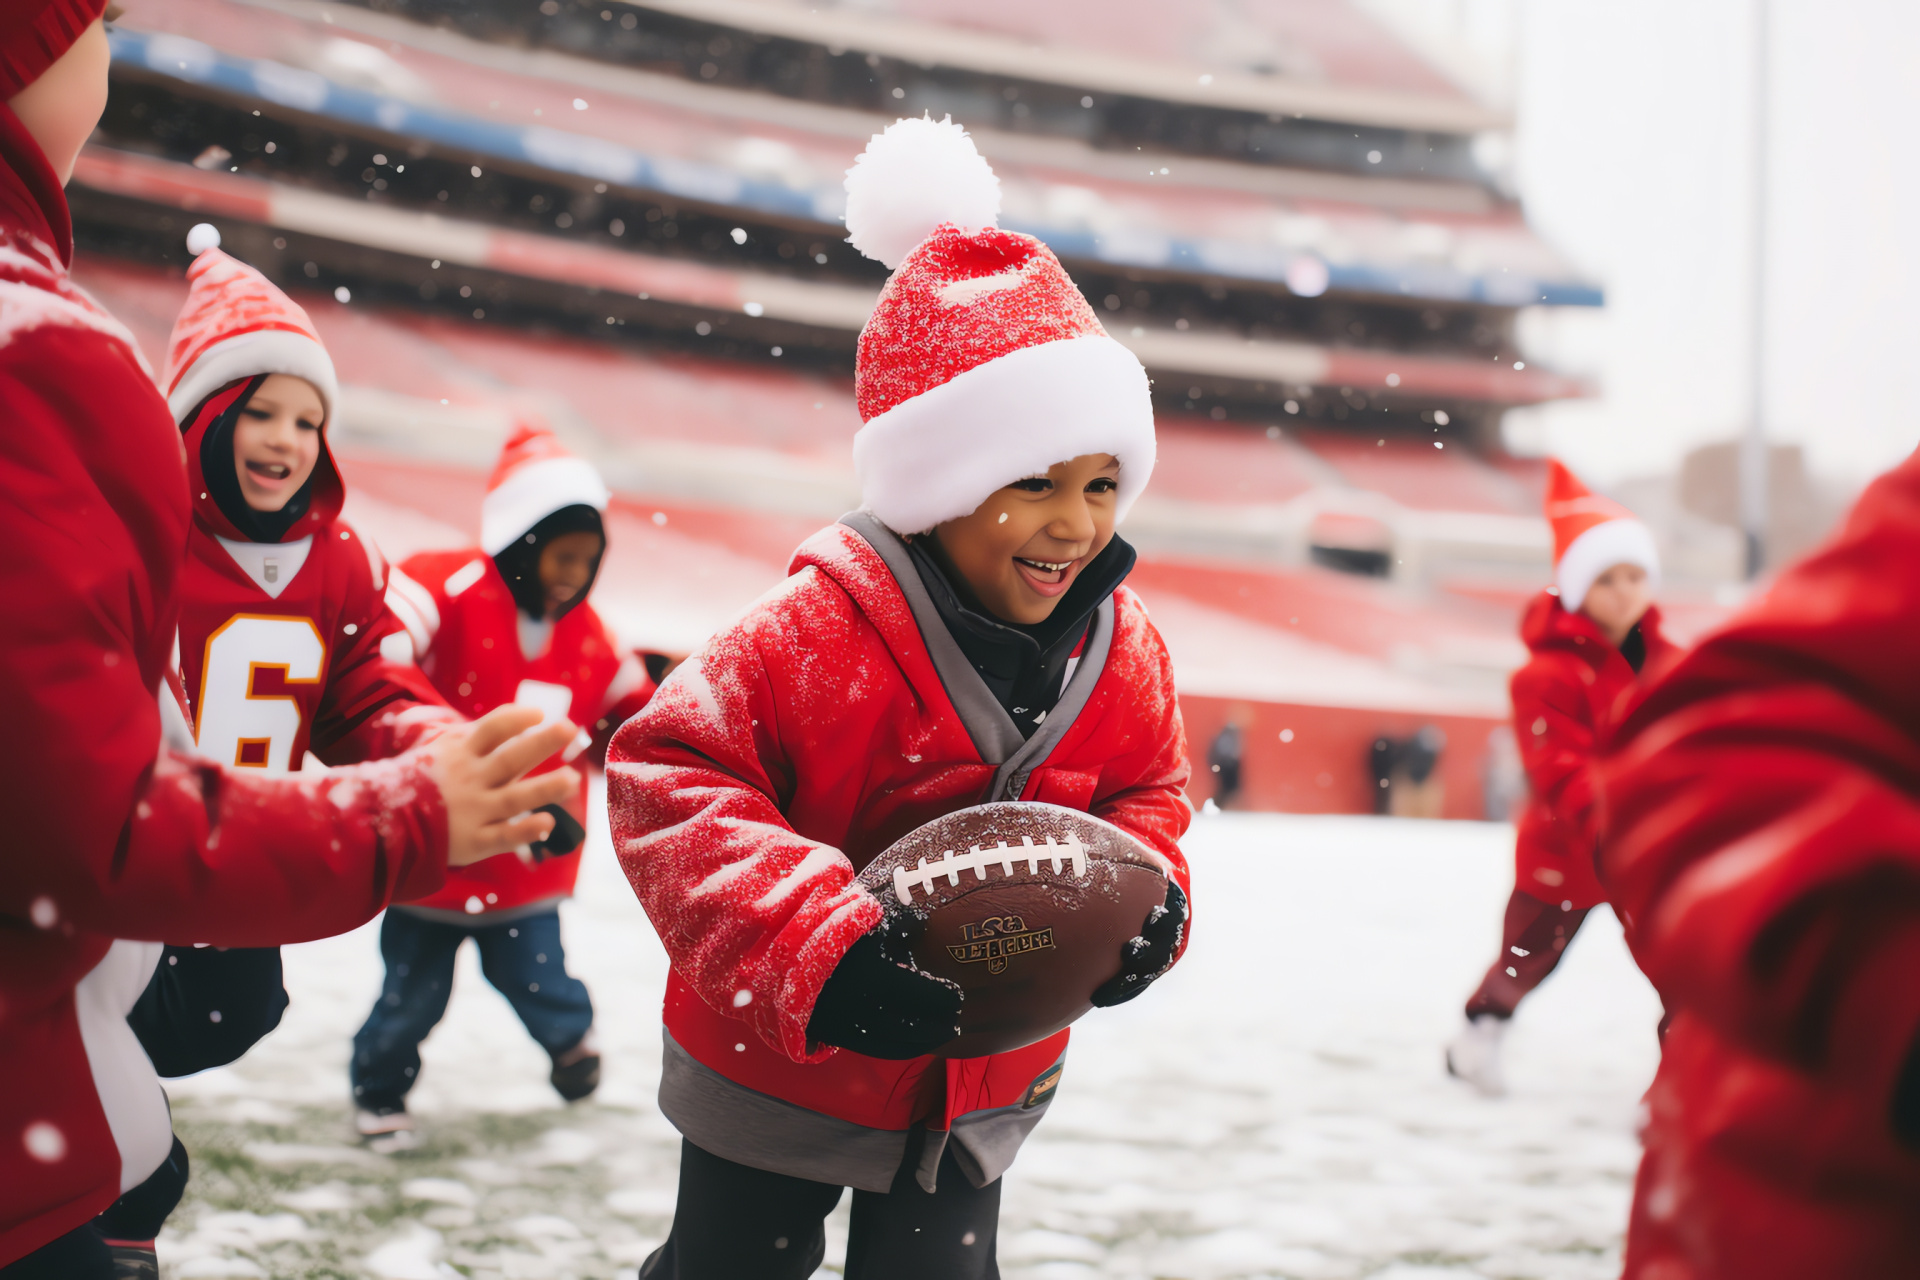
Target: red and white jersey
(280, 653)
(280, 641)
(467, 636)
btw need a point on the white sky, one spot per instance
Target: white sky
(1634, 160)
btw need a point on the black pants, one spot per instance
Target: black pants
(81, 1254)
(1532, 941)
(737, 1223)
(522, 958)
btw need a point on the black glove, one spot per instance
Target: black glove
(565, 837)
(875, 1002)
(1145, 958)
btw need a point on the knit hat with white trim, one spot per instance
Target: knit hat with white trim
(981, 363)
(237, 324)
(1591, 534)
(534, 478)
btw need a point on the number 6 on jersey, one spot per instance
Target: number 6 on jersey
(245, 718)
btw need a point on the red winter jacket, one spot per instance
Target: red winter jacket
(1763, 850)
(465, 628)
(107, 835)
(1564, 698)
(802, 741)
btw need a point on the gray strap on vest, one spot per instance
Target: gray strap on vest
(994, 734)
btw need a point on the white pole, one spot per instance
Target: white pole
(1753, 443)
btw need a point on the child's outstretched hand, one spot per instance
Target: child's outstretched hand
(478, 768)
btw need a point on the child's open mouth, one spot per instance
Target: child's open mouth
(272, 472)
(1048, 577)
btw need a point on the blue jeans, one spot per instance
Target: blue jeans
(521, 957)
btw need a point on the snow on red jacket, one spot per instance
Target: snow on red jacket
(464, 627)
(801, 742)
(1762, 846)
(109, 836)
(280, 641)
(1564, 699)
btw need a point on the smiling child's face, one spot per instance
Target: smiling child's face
(1027, 543)
(276, 441)
(566, 567)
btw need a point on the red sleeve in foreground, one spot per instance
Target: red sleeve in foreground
(753, 915)
(1763, 809)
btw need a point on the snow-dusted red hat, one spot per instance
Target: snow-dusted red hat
(237, 324)
(1591, 534)
(534, 478)
(981, 364)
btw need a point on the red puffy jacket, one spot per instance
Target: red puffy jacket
(1762, 846)
(802, 741)
(464, 627)
(1563, 700)
(107, 835)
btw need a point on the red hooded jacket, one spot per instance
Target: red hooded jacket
(802, 741)
(464, 626)
(1762, 846)
(1564, 698)
(280, 642)
(108, 835)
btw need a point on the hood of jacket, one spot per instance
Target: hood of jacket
(218, 507)
(31, 198)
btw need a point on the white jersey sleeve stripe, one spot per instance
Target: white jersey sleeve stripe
(413, 605)
(631, 676)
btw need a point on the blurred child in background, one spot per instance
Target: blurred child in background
(507, 621)
(1590, 635)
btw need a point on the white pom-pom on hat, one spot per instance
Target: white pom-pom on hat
(202, 237)
(918, 174)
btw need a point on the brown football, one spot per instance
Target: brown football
(1026, 906)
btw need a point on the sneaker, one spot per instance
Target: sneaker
(386, 1129)
(576, 1073)
(1474, 1055)
(133, 1260)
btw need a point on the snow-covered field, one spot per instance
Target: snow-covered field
(1275, 1107)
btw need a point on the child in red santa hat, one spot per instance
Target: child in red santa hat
(507, 621)
(1590, 635)
(284, 605)
(964, 637)
(282, 616)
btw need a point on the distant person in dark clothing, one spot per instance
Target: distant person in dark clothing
(1223, 759)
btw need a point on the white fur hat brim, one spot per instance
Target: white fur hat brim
(1598, 550)
(247, 355)
(534, 491)
(941, 454)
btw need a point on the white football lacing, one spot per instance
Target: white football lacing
(980, 857)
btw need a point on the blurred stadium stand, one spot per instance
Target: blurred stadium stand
(624, 216)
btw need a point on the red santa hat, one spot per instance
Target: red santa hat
(1591, 534)
(237, 324)
(35, 34)
(535, 477)
(981, 364)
